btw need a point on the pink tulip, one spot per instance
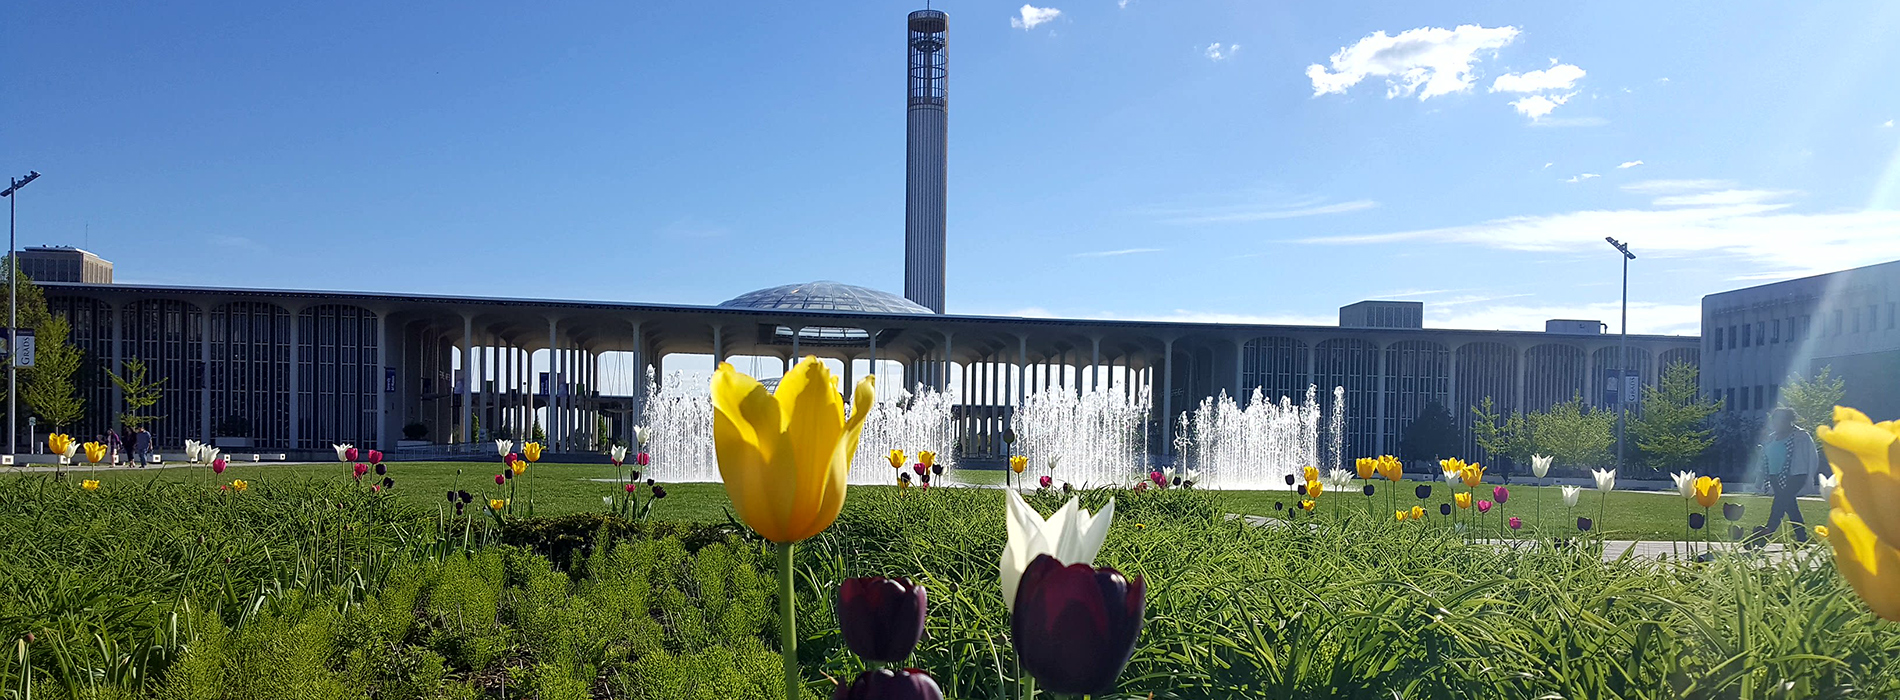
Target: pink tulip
(1159, 478)
(375, 457)
(1516, 523)
(920, 468)
(642, 459)
(630, 488)
(349, 455)
(360, 470)
(1484, 506)
(499, 479)
(510, 459)
(1501, 494)
(1046, 482)
(217, 466)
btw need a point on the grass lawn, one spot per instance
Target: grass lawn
(567, 488)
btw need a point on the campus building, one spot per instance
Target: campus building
(1756, 339)
(64, 264)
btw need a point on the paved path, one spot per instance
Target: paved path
(1614, 549)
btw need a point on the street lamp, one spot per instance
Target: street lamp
(1622, 354)
(13, 311)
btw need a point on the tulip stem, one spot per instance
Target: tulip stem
(787, 632)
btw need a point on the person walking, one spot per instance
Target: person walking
(1787, 461)
(141, 446)
(113, 445)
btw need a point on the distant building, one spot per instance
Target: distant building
(64, 264)
(1571, 326)
(1756, 339)
(1383, 314)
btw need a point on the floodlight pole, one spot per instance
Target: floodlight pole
(1622, 354)
(13, 312)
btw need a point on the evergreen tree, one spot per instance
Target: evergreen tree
(139, 391)
(48, 387)
(1431, 436)
(1673, 429)
(537, 434)
(32, 314)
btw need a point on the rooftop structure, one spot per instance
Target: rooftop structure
(64, 264)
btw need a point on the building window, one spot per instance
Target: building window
(1807, 327)
(1774, 335)
(1758, 403)
(1728, 399)
(1746, 341)
(1890, 315)
(1761, 332)
(1873, 317)
(1837, 322)
(1717, 340)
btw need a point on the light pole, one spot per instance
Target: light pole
(1622, 354)
(13, 311)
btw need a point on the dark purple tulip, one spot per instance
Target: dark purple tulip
(458, 508)
(1583, 524)
(936, 469)
(500, 478)
(381, 469)
(1732, 511)
(1424, 491)
(1075, 626)
(659, 492)
(1500, 494)
(1444, 509)
(885, 684)
(1367, 490)
(882, 618)
(649, 482)
(636, 475)
(1279, 504)
(466, 496)
(451, 496)
(1734, 532)
(388, 482)
(508, 474)
(1289, 479)
(1696, 521)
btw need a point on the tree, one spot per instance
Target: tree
(1508, 438)
(1814, 399)
(1431, 436)
(140, 393)
(537, 434)
(1673, 428)
(1572, 434)
(48, 388)
(32, 314)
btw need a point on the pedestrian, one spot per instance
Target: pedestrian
(141, 446)
(1787, 461)
(113, 445)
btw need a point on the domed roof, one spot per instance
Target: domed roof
(825, 295)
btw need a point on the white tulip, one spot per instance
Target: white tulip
(503, 447)
(1685, 483)
(1827, 483)
(208, 454)
(1193, 475)
(1540, 465)
(640, 435)
(341, 451)
(1570, 495)
(191, 451)
(1340, 478)
(618, 453)
(1167, 475)
(1071, 535)
(1454, 477)
(1606, 478)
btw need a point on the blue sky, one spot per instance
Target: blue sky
(1149, 159)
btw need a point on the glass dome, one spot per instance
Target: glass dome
(825, 295)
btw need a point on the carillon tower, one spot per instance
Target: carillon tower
(924, 171)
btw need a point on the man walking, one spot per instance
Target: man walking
(142, 446)
(1787, 462)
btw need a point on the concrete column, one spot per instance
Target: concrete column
(1022, 370)
(204, 390)
(639, 378)
(1240, 371)
(949, 361)
(1378, 434)
(296, 375)
(118, 367)
(468, 376)
(796, 330)
(552, 426)
(1095, 363)
(718, 348)
(385, 438)
(1167, 399)
(1522, 360)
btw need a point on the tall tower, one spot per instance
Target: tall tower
(924, 169)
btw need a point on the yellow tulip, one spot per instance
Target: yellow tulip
(58, 443)
(518, 467)
(784, 455)
(1871, 567)
(1418, 512)
(89, 484)
(1311, 473)
(1391, 468)
(1463, 499)
(928, 458)
(1366, 466)
(1313, 488)
(1820, 531)
(1473, 474)
(530, 451)
(497, 503)
(897, 459)
(1866, 459)
(1307, 505)
(1400, 515)
(1708, 491)
(95, 452)
(1018, 463)
(240, 484)
(1451, 464)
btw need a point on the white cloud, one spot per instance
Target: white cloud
(1538, 106)
(1215, 52)
(1750, 226)
(1674, 186)
(1242, 213)
(1114, 253)
(1121, 4)
(1030, 16)
(1645, 317)
(1581, 177)
(1570, 121)
(1547, 165)
(1887, 124)
(1427, 61)
(1562, 76)
(1629, 164)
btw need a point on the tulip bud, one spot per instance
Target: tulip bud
(642, 459)
(458, 507)
(885, 684)
(631, 487)
(1515, 523)
(1444, 509)
(881, 618)
(375, 457)
(1367, 490)
(636, 475)
(1046, 481)
(1501, 494)
(508, 474)
(936, 469)
(1289, 479)
(1734, 532)
(1696, 521)
(920, 468)
(1423, 491)
(925, 479)
(1075, 626)
(649, 482)
(500, 478)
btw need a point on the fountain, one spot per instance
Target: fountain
(680, 419)
(1093, 438)
(1258, 446)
